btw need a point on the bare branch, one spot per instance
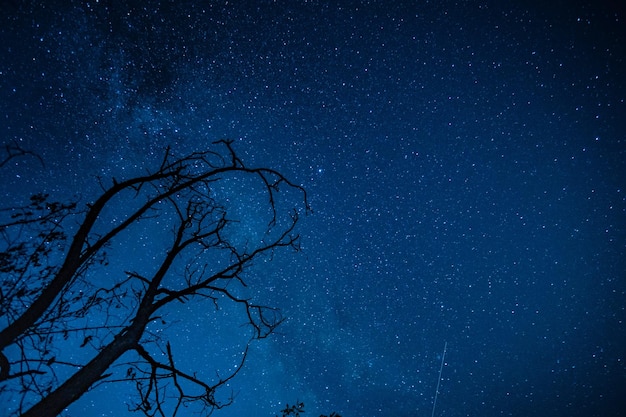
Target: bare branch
(14, 150)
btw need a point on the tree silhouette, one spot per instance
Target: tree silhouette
(76, 312)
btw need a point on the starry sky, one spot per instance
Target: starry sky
(465, 162)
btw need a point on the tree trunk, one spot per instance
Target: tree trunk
(81, 381)
(127, 339)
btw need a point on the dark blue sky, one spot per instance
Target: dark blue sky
(465, 162)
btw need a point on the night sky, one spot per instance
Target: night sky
(465, 162)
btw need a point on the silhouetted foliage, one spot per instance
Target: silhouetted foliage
(293, 410)
(77, 311)
(297, 408)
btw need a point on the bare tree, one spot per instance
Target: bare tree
(65, 288)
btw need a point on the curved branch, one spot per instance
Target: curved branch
(174, 374)
(13, 150)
